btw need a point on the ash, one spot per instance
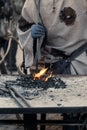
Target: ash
(30, 88)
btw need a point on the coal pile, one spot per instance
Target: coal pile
(53, 82)
(30, 88)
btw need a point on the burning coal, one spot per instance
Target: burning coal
(30, 82)
(34, 85)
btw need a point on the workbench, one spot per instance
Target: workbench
(72, 99)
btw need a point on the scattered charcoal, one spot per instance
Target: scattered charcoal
(59, 104)
(78, 94)
(61, 99)
(10, 83)
(3, 94)
(51, 96)
(51, 90)
(52, 99)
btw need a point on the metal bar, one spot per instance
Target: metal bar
(11, 122)
(61, 122)
(37, 53)
(31, 119)
(4, 90)
(13, 95)
(52, 110)
(22, 98)
(43, 118)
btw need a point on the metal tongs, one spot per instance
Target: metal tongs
(39, 40)
(18, 98)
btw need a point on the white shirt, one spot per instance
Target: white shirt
(60, 35)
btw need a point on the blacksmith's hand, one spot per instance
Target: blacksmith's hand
(37, 30)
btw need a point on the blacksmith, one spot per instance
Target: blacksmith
(63, 26)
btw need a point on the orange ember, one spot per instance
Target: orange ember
(49, 76)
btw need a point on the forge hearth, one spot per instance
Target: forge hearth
(52, 82)
(74, 91)
(28, 87)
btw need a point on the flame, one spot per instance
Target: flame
(51, 75)
(41, 75)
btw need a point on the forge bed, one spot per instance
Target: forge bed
(71, 99)
(74, 94)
